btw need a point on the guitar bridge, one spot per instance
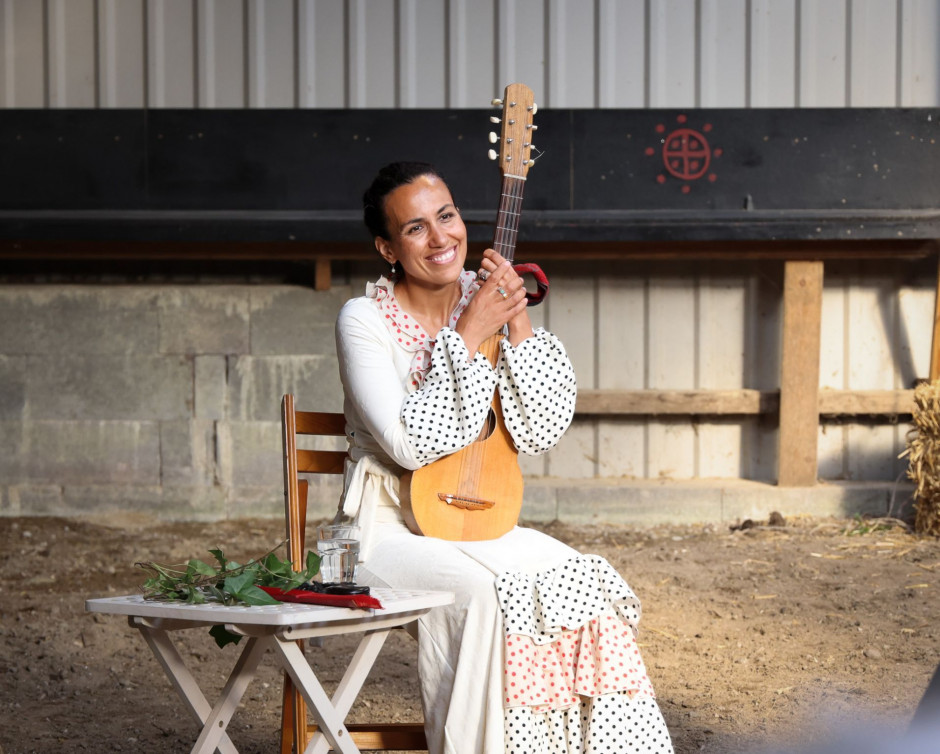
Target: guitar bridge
(467, 503)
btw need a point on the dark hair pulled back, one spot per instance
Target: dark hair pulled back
(388, 179)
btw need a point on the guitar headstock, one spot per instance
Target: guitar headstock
(515, 141)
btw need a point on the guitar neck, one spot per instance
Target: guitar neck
(504, 240)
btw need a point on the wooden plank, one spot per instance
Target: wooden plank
(865, 402)
(737, 402)
(675, 402)
(799, 378)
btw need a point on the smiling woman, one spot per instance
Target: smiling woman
(538, 653)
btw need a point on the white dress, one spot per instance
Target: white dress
(537, 655)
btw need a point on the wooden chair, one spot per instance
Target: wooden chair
(295, 731)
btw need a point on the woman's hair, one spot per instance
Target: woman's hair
(388, 179)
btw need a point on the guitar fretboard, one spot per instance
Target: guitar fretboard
(507, 218)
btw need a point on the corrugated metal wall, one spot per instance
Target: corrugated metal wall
(630, 325)
(459, 53)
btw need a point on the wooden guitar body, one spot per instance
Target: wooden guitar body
(451, 499)
(476, 493)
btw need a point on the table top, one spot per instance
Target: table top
(283, 614)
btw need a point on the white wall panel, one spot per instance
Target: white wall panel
(621, 53)
(571, 65)
(22, 64)
(221, 55)
(321, 52)
(422, 31)
(271, 50)
(873, 53)
(121, 77)
(521, 53)
(919, 80)
(460, 53)
(672, 54)
(723, 58)
(171, 65)
(822, 58)
(372, 54)
(772, 66)
(472, 79)
(72, 53)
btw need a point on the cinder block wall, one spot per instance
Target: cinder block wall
(163, 400)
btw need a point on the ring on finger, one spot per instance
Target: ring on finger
(482, 275)
(502, 292)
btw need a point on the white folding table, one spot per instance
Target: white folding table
(276, 627)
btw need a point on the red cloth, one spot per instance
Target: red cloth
(331, 600)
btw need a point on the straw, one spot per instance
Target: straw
(923, 450)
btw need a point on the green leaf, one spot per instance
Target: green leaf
(220, 557)
(313, 565)
(235, 584)
(223, 636)
(203, 569)
(254, 595)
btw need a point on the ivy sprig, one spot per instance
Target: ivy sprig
(228, 582)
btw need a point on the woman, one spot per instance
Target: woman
(538, 652)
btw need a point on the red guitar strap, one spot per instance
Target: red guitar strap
(541, 281)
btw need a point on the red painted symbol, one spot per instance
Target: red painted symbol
(686, 153)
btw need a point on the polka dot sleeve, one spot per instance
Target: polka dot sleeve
(448, 411)
(537, 389)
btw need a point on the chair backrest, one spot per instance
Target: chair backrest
(302, 461)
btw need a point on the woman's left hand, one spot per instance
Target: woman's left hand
(497, 274)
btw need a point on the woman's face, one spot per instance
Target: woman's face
(427, 237)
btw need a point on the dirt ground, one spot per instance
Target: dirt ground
(752, 637)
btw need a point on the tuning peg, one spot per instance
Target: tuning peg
(533, 128)
(493, 137)
(492, 154)
(533, 108)
(494, 119)
(496, 102)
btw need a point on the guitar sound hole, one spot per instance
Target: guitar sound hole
(488, 426)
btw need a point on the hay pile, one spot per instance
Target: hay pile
(923, 447)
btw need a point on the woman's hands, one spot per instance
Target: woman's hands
(499, 301)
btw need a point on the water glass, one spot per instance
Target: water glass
(338, 548)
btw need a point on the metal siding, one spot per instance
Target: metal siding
(723, 61)
(822, 58)
(72, 68)
(772, 69)
(621, 54)
(171, 80)
(271, 53)
(472, 45)
(672, 52)
(919, 78)
(23, 64)
(571, 54)
(121, 78)
(221, 54)
(874, 53)
(373, 58)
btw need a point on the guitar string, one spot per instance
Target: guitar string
(504, 241)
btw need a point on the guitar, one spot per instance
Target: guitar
(476, 493)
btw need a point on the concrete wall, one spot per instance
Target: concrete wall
(157, 399)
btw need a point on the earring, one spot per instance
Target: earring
(393, 270)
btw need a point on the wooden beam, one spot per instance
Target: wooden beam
(935, 345)
(865, 402)
(737, 402)
(675, 402)
(323, 276)
(799, 374)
